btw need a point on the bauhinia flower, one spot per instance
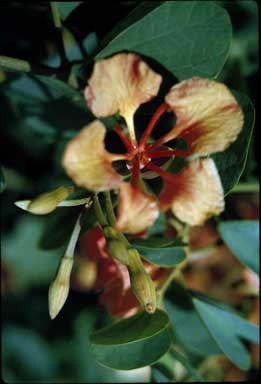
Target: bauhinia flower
(208, 118)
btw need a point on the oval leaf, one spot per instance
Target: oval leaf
(67, 7)
(227, 328)
(164, 252)
(198, 33)
(232, 161)
(242, 238)
(132, 343)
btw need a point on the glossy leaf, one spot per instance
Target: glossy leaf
(131, 343)
(242, 238)
(227, 328)
(188, 327)
(232, 161)
(66, 7)
(165, 252)
(173, 24)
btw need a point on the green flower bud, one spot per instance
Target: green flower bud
(118, 251)
(141, 283)
(47, 202)
(59, 289)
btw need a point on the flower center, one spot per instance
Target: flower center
(141, 155)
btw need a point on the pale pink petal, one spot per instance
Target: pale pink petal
(88, 163)
(120, 84)
(137, 210)
(208, 116)
(195, 194)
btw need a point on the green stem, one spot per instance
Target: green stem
(73, 239)
(12, 64)
(246, 187)
(176, 274)
(191, 370)
(58, 25)
(99, 214)
(109, 209)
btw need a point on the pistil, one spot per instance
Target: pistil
(135, 171)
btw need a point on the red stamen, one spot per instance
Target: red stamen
(161, 109)
(167, 153)
(157, 143)
(135, 172)
(126, 141)
(165, 175)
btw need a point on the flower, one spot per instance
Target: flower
(208, 118)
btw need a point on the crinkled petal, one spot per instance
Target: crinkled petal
(195, 194)
(120, 84)
(137, 210)
(208, 116)
(88, 163)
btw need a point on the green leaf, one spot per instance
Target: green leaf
(132, 343)
(32, 357)
(165, 252)
(66, 7)
(242, 238)
(188, 38)
(159, 226)
(188, 327)
(29, 264)
(232, 161)
(226, 328)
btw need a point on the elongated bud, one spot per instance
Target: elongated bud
(141, 283)
(116, 247)
(46, 202)
(59, 289)
(118, 251)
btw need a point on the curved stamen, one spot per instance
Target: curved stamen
(167, 153)
(126, 141)
(161, 109)
(165, 175)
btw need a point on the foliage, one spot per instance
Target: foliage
(42, 107)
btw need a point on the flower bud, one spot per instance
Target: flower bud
(47, 202)
(118, 251)
(59, 289)
(141, 283)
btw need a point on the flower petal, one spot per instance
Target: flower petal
(120, 84)
(208, 116)
(137, 210)
(88, 163)
(195, 194)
